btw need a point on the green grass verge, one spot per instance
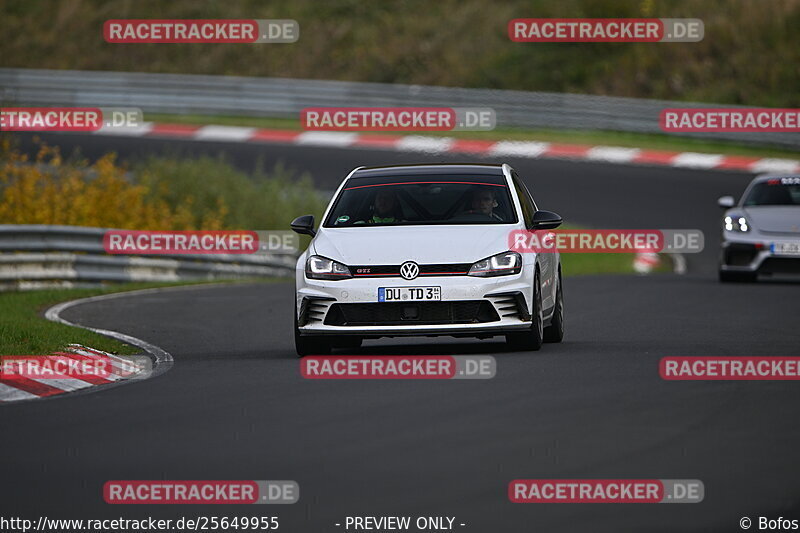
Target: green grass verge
(607, 138)
(582, 264)
(585, 264)
(25, 331)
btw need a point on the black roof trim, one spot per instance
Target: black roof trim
(429, 169)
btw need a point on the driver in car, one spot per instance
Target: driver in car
(385, 209)
(484, 202)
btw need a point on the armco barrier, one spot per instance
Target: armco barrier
(41, 255)
(278, 97)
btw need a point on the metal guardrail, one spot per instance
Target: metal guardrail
(279, 97)
(41, 255)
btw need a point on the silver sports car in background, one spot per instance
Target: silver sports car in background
(761, 234)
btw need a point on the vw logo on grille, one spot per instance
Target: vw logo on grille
(409, 270)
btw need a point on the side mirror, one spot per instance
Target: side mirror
(545, 220)
(304, 225)
(726, 202)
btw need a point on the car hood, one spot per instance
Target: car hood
(774, 218)
(393, 245)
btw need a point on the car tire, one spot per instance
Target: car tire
(555, 331)
(531, 340)
(737, 277)
(309, 344)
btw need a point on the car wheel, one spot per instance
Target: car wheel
(737, 277)
(555, 331)
(531, 340)
(309, 345)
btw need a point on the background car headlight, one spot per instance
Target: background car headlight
(736, 223)
(318, 267)
(503, 264)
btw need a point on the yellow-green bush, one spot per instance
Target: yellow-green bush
(49, 190)
(157, 194)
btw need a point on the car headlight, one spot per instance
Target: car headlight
(736, 223)
(318, 267)
(503, 264)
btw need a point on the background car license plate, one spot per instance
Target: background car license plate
(786, 248)
(409, 294)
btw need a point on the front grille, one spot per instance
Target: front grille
(780, 265)
(404, 314)
(376, 270)
(393, 271)
(458, 269)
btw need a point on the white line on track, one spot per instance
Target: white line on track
(224, 133)
(129, 131)
(612, 154)
(519, 148)
(162, 359)
(696, 160)
(421, 143)
(13, 394)
(326, 138)
(777, 166)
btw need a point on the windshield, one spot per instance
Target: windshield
(422, 200)
(775, 191)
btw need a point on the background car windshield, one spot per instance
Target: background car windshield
(422, 201)
(778, 191)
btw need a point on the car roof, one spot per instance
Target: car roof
(428, 169)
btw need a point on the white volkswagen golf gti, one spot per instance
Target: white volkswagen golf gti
(423, 250)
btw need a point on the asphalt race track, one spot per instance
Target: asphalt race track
(234, 406)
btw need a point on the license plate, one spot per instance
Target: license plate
(786, 248)
(409, 294)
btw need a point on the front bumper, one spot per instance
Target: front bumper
(469, 306)
(754, 253)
